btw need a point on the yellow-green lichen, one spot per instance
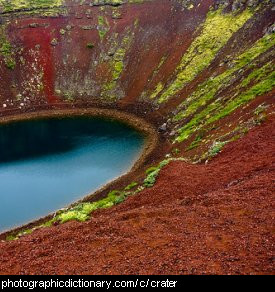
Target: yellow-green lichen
(6, 50)
(207, 90)
(103, 26)
(218, 110)
(136, 1)
(216, 31)
(80, 212)
(157, 90)
(258, 89)
(90, 45)
(116, 13)
(15, 5)
(117, 65)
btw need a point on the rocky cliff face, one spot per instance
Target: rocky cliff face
(205, 67)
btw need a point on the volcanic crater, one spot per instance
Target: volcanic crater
(197, 78)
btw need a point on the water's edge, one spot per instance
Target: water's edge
(150, 143)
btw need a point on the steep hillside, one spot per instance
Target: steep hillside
(195, 63)
(202, 73)
(197, 219)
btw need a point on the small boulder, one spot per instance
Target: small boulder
(54, 42)
(163, 128)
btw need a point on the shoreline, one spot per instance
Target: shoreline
(151, 140)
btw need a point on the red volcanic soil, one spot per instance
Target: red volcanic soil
(197, 219)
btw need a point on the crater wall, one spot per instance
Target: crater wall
(202, 70)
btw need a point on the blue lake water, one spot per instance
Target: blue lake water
(47, 164)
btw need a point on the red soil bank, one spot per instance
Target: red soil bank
(214, 218)
(197, 219)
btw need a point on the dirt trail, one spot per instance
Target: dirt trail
(216, 218)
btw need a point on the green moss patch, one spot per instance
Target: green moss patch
(216, 31)
(103, 26)
(6, 50)
(131, 186)
(90, 45)
(207, 92)
(117, 65)
(15, 5)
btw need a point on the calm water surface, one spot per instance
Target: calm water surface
(47, 164)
